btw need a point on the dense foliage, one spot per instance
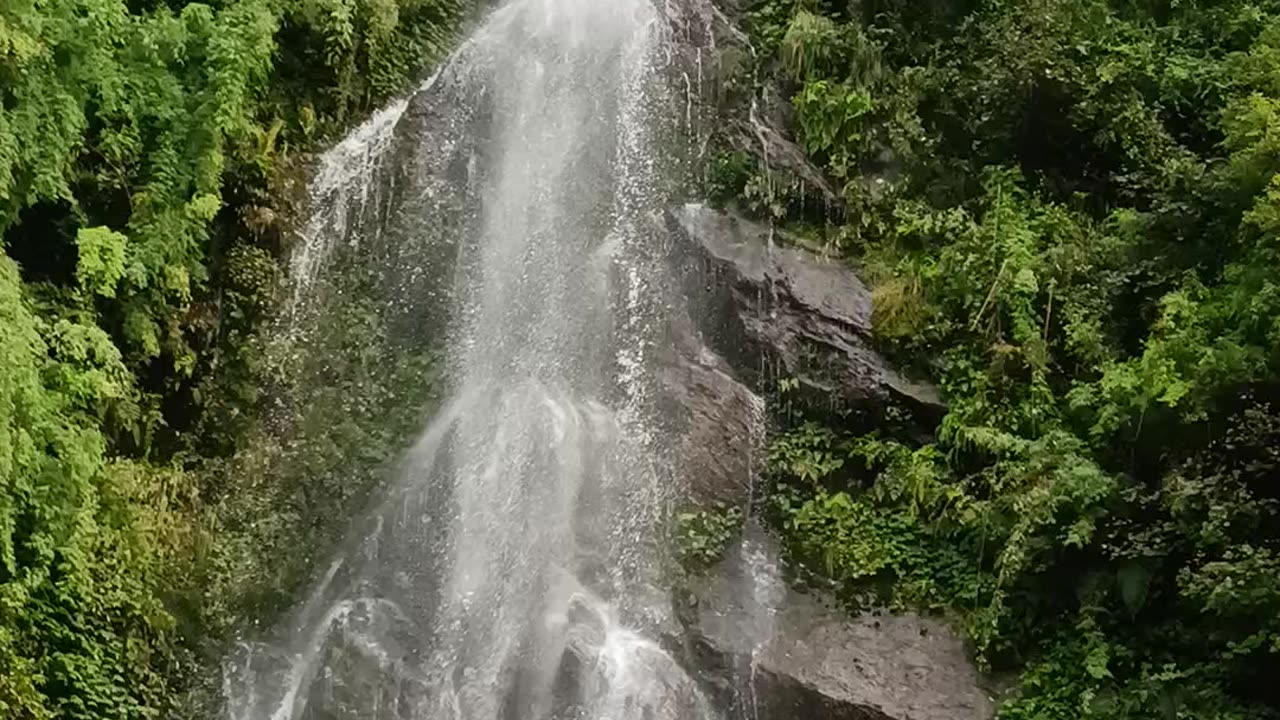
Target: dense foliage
(142, 147)
(1069, 211)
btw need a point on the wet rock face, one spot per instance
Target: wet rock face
(779, 654)
(776, 311)
(720, 422)
(435, 199)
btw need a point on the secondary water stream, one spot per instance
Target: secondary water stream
(513, 571)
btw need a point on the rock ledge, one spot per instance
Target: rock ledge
(783, 655)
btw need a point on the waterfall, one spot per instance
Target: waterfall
(513, 570)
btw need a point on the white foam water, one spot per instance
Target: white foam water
(509, 573)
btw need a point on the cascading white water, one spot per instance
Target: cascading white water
(510, 573)
(342, 191)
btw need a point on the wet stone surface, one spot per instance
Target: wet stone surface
(777, 654)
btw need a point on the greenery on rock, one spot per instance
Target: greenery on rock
(702, 536)
(145, 147)
(1069, 212)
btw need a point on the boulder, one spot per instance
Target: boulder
(719, 422)
(779, 654)
(776, 311)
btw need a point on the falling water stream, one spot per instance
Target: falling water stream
(513, 569)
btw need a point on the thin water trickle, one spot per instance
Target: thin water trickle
(343, 190)
(509, 573)
(763, 594)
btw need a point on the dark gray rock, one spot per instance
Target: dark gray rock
(780, 654)
(776, 311)
(720, 422)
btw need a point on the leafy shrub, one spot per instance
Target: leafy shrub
(703, 536)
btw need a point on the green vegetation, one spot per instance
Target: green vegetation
(1069, 211)
(145, 153)
(703, 535)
